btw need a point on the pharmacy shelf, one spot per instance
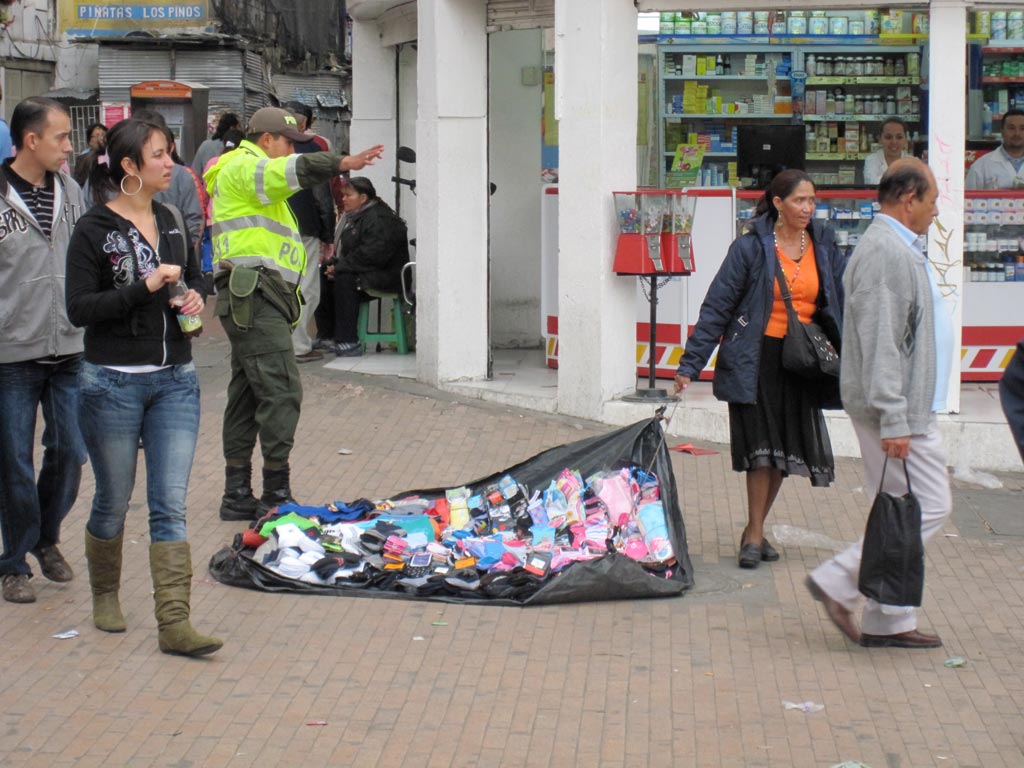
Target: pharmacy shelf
(707, 154)
(1012, 46)
(728, 116)
(759, 78)
(836, 156)
(820, 80)
(990, 80)
(858, 118)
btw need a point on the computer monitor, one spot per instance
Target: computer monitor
(765, 150)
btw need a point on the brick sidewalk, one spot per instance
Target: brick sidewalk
(694, 681)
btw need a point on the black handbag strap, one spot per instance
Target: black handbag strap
(906, 473)
(787, 297)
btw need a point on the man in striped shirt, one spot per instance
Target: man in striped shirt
(40, 350)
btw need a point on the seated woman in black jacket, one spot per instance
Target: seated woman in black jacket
(373, 247)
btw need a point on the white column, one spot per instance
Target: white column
(946, 137)
(451, 185)
(373, 104)
(596, 94)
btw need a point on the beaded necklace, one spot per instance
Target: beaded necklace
(799, 262)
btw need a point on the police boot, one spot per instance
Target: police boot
(238, 502)
(276, 489)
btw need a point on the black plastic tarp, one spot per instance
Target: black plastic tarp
(612, 577)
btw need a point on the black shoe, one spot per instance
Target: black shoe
(238, 502)
(309, 357)
(750, 556)
(276, 489)
(768, 553)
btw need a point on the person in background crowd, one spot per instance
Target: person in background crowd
(1011, 395)
(775, 421)
(138, 378)
(96, 138)
(894, 137)
(5, 136)
(258, 261)
(896, 363)
(1003, 167)
(324, 315)
(314, 213)
(214, 145)
(40, 351)
(231, 140)
(374, 246)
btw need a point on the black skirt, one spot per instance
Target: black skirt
(785, 428)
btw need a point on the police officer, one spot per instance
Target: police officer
(258, 260)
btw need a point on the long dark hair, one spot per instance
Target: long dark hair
(782, 186)
(126, 139)
(364, 186)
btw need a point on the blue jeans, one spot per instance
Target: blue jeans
(32, 510)
(118, 408)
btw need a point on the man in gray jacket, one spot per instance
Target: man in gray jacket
(897, 356)
(40, 350)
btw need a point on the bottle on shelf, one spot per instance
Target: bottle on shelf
(810, 64)
(900, 67)
(719, 65)
(986, 120)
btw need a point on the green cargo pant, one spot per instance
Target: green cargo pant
(265, 391)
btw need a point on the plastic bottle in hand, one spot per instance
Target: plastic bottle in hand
(191, 325)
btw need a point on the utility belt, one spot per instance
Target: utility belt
(239, 287)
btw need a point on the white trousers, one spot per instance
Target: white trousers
(310, 287)
(930, 482)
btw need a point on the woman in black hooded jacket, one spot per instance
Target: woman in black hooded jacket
(138, 378)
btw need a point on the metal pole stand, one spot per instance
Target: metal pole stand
(652, 393)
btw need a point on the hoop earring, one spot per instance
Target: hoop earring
(131, 176)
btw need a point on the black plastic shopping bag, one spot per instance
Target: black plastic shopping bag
(892, 558)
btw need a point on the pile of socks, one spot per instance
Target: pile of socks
(498, 540)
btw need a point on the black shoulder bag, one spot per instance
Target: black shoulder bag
(892, 556)
(806, 350)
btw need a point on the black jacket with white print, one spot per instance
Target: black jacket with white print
(108, 262)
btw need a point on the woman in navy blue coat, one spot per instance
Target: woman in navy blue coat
(775, 418)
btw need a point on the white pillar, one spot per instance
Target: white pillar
(946, 141)
(373, 104)
(451, 185)
(596, 97)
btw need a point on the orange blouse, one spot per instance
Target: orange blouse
(803, 285)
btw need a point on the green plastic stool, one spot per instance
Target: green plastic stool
(397, 336)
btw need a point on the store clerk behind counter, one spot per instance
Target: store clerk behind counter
(1003, 167)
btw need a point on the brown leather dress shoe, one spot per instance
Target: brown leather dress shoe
(912, 639)
(52, 564)
(840, 616)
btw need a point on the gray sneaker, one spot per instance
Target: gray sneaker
(348, 349)
(16, 588)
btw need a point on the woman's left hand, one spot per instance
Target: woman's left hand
(193, 303)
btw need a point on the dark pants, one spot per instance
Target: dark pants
(347, 298)
(324, 314)
(32, 510)
(1011, 394)
(265, 391)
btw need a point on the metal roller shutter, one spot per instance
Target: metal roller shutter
(220, 70)
(122, 67)
(520, 14)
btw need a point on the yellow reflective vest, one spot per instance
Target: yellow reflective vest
(252, 223)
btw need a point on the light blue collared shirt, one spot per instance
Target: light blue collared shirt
(943, 322)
